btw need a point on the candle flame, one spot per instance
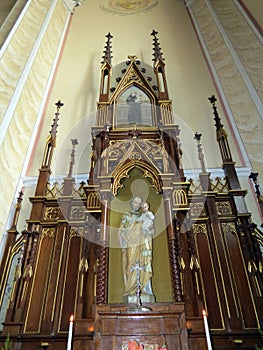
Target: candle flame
(204, 312)
(71, 319)
(91, 328)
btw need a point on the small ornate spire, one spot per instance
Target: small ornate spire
(157, 54)
(51, 140)
(74, 142)
(221, 133)
(197, 137)
(54, 126)
(17, 209)
(217, 119)
(107, 52)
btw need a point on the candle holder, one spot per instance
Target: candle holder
(139, 306)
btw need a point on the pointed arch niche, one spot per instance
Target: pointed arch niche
(133, 106)
(137, 184)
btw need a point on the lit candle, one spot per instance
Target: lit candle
(207, 333)
(70, 332)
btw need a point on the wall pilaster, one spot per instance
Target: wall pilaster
(233, 49)
(27, 67)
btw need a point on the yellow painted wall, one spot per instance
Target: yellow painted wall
(256, 9)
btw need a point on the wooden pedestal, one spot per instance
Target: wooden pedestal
(164, 324)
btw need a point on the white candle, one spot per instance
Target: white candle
(207, 333)
(70, 332)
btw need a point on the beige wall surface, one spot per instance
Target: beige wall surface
(25, 75)
(255, 7)
(5, 8)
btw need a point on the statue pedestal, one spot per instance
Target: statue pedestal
(164, 323)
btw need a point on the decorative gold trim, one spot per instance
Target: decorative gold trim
(198, 209)
(52, 213)
(223, 208)
(77, 212)
(179, 197)
(75, 232)
(221, 272)
(59, 274)
(230, 228)
(123, 172)
(94, 200)
(202, 229)
(49, 234)
(7, 266)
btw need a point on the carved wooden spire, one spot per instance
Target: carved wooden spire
(157, 53)
(221, 133)
(106, 70)
(9, 241)
(17, 210)
(107, 52)
(51, 140)
(45, 170)
(159, 68)
(228, 164)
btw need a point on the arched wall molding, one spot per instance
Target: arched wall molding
(237, 91)
(11, 23)
(23, 114)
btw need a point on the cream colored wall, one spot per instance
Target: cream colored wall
(256, 9)
(235, 49)
(25, 68)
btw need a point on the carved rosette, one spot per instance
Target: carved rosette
(52, 213)
(77, 212)
(197, 209)
(223, 208)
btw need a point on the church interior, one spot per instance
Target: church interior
(131, 174)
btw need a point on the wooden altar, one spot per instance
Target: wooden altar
(206, 254)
